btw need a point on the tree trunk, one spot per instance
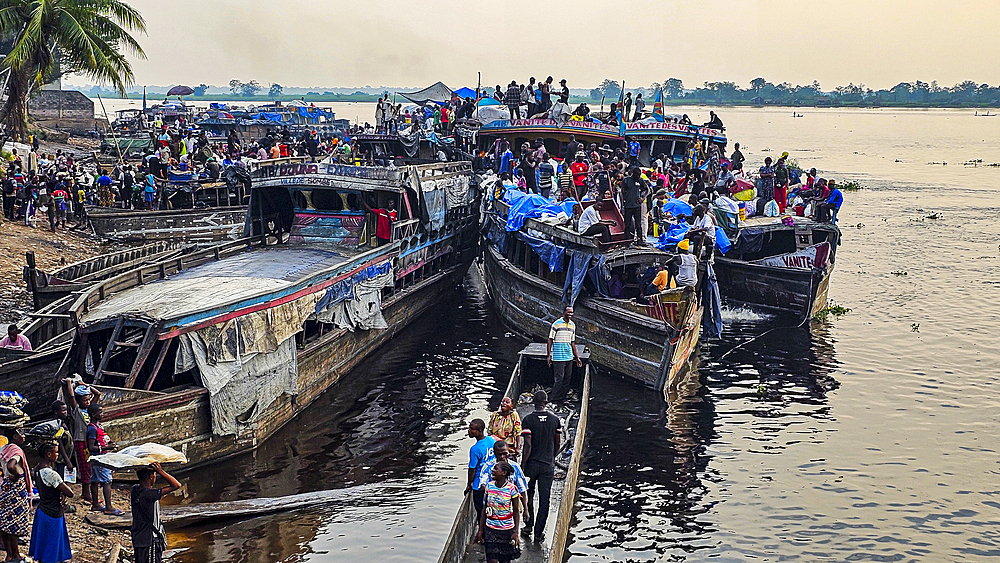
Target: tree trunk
(14, 113)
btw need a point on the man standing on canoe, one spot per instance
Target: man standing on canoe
(479, 454)
(562, 353)
(542, 435)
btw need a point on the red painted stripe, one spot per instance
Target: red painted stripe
(268, 304)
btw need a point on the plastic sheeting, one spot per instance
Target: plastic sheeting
(576, 272)
(489, 114)
(673, 235)
(437, 92)
(550, 253)
(525, 206)
(722, 240)
(676, 208)
(356, 302)
(711, 321)
(239, 391)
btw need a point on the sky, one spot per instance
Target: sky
(413, 43)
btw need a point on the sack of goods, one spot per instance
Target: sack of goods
(45, 432)
(11, 409)
(134, 457)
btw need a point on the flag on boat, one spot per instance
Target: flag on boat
(658, 106)
(621, 111)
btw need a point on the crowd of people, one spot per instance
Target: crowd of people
(65, 447)
(701, 175)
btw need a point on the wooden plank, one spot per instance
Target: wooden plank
(159, 363)
(109, 348)
(140, 358)
(561, 534)
(177, 516)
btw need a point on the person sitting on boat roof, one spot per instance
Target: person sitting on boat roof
(685, 120)
(714, 122)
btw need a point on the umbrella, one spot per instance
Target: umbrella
(180, 91)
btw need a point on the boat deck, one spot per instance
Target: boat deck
(232, 278)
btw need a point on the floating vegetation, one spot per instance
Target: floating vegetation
(851, 186)
(859, 226)
(915, 327)
(977, 162)
(832, 309)
(940, 163)
(934, 215)
(899, 273)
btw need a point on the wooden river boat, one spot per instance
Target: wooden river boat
(532, 369)
(212, 351)
(781, 269)
(650, 343)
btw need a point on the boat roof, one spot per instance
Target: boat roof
(232, 279)
(777, 224)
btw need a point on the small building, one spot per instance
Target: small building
(66, 110)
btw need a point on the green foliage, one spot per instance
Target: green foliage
(55, 37)
(275, 91)
(850, 186)
(200, 89)
(831, 309)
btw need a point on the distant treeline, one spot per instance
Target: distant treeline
(758, 92)
(762, 92)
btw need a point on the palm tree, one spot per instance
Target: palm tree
(89, 37)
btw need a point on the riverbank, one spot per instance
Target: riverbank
(52, 251)
(91, 544)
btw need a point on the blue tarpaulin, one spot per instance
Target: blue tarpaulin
(550, 253)
(676, 207)
(722, 240)
(466, 93)
(576, 271)
(673, 235)
(524, 206)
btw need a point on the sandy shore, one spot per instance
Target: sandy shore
(52, 250)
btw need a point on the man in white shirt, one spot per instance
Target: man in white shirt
(590, 223)
(687, 265)
(702, 233)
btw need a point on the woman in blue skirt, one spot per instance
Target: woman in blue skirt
(49, 538)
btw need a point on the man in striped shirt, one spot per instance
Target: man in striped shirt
(562, 354)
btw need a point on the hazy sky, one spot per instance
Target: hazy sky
(414, 43)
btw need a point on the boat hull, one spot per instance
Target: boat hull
(796, 293)
(639, 347)
(182, 420)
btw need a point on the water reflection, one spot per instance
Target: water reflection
(390, 436)
(651, 483)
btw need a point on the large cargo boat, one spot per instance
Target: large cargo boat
(649, 342)
(212, 351)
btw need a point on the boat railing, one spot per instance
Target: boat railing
(86, 270)
(405, 229)
(157, 271)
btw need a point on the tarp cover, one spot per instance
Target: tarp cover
(466, 92)
(528, 206)
(436, 92)
(489, 113)
(239, 391)
(549, 252)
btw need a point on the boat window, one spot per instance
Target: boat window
(327, 200)
(302, 199)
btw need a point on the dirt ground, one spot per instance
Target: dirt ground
(52, 250)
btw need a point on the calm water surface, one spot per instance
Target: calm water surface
(872, 437)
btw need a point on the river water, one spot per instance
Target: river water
(870, 437)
